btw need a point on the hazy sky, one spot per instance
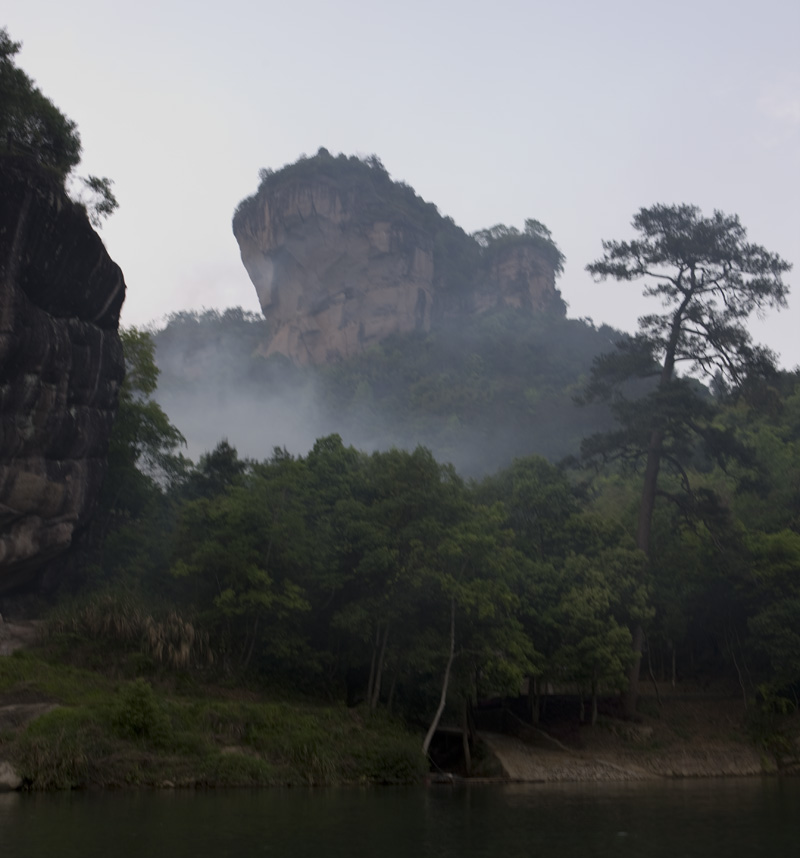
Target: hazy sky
(575, 113)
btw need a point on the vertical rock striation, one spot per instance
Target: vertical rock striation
(61, 365)
(330, 283)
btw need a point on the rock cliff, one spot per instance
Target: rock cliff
(61, 365)
(341, 257)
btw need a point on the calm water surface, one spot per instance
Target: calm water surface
(730, 818)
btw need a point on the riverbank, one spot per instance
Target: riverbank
(688, 735)
(63, 727)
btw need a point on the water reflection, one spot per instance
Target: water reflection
(730, 818)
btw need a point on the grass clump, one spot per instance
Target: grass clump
(62, 749)
(119, 621)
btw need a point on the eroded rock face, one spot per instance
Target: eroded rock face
(518, 276)
(330, 284)
(340, 264)
(61, 365)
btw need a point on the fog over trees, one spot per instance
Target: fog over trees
(477, 394)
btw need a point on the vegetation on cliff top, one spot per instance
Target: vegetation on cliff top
(33, 128)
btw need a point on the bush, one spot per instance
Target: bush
(59, 750)
(391, 759)
(139, 715)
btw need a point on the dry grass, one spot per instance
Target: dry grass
(119, 620)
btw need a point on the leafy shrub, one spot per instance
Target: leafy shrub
(240, 770)
(391, 759)
(138, 714)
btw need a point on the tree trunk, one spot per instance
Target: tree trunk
(648, 502)
(371, 682)
(533, 700)
(632, 696)
(391, 693)
(445, 682)
(652, 675)
(673, 664)
(594, 697)
(465, 737)
(376, 689)
(646, 507)
(246, 661)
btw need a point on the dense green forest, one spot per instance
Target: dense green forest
(582, 509)
(358, 576)
(389, 580)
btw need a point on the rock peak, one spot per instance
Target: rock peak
(341, 257)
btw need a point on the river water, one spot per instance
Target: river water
(708, 818)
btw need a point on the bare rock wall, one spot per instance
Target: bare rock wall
(61, 366)
(338, 267)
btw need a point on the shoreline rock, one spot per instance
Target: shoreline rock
(10, 781)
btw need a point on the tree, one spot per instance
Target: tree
(29, 122)
(709, 279)
(535, 234)
(96, 196)
(32, 126)
(474, 573)
(143, 448)
(245, 555)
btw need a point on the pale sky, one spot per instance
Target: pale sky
(575, 113)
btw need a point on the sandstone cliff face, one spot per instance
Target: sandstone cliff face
(340, 264)
(61, 365)
(519, 276)
(330, 284)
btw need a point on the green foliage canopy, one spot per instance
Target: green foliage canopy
(33, 127)
(30, 122)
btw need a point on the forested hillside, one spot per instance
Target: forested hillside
(477, 393)
(403, 496)
(360, 575)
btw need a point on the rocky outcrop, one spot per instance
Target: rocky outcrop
(61, 366)
(341, 257)
(330, 284)
(518, 276)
